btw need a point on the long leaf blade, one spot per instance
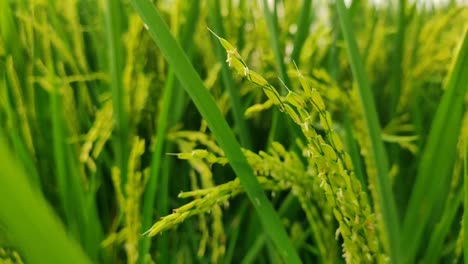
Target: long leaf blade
(438, 155)
(384, 190)
(28, 221)
(226, 139)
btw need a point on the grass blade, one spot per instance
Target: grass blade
(152, 185)
(163, 123)
(272, 22)
(261, 240)
(12, 127)
(234, 232)
(217, 124)
(397, 75)
(384, 188)
(81, 220)
(434, 250)
(438, 155)
(465, 205)
(302, 30)
(9, 32)
(28, 221)
(113, 31)
(59, 152)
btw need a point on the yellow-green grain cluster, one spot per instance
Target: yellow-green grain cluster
(328, 161)
(129, 196)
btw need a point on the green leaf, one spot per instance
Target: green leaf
(217, 124)
(438, 155)
(27, 222)
(115, 53)
(377, 151)
(162, 125)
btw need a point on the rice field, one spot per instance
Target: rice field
(233, 131)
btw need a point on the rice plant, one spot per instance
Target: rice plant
(233, 131)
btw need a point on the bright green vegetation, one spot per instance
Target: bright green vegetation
(233, 132)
